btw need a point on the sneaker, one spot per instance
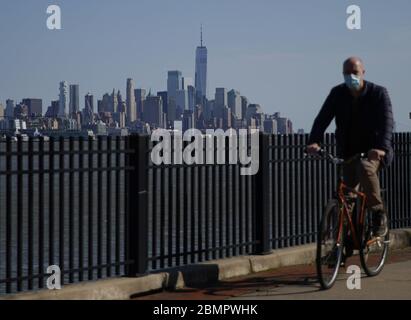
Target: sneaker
(379, 223)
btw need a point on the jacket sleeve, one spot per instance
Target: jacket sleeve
(385, 122)
(323, 119)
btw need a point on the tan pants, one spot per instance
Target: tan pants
(365, 173)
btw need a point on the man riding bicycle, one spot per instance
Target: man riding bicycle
(364, 124)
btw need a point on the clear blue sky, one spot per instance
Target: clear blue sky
(284, 55)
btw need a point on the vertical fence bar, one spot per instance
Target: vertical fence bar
(19, 213)
(108, 205)
(241, 210)
(179, 207)
(154, 230)
(216, 203)
(163, 181)
(171, 209)
(408, 191)
(61, 207)
(137, 235)
(90, 208)
(187, 207)
(394, 181)
(99, 207)
(403, 182)
(297, 156)
(9, 193)
(41, 213)
(221, 209)
(71, 209)
(293, 191)
(117, 205)
(201, 244)
(51, 201)
(275, 192)
(207, 197)
(261, 194)
(303, 182)
(193, 211)
(80, 207)
(235, 207)
(30, 203)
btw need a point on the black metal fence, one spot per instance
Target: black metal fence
(101, 208)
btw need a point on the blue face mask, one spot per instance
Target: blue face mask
(352, 82)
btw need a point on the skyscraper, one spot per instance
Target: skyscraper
(131, 102)
(63, 99)
(244, 106)
(234, 103)
(9, 109)
(140, 95)
(153, 113)
(114, 101)
(88, 112)
(220, 103)
(174, 84)
(35, 107)
(201, 71)
(74, 99)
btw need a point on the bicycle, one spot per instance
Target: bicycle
(339, 223)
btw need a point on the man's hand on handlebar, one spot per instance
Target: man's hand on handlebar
(376, 154)
(313, 148)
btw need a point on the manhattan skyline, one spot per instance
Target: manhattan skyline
(264, 49)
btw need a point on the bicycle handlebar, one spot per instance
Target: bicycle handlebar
(335, 160)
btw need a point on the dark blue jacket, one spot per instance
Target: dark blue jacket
(371, 126)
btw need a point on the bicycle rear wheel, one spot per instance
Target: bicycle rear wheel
(329, 249)
(374, 250)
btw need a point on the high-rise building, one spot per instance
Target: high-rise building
(131, 102)
(53, 110)
(9, 114)
(220, 103)
(74, 100)
(21, 111)
(191, 92)
(182, 101)
(1, 112)
(140, 95)
(174, 84)
(270, 126)
(105, 105)
(121, 104)
(201, 71)
(186, 82)
(284, 126)
(88, 112)
(35, 107)
(234, 103)
(114, 102)
(244, 106)
(164, 97)
(153, 111)
(188, 120)
(63, 99)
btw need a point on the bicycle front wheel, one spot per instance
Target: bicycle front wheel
(329, 245)
(374, 250)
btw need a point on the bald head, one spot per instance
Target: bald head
(354, 66)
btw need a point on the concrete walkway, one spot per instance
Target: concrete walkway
(300, 283)
(393, 283)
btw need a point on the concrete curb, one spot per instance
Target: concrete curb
(191, 275)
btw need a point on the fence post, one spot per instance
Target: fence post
(261, 199)
(136, 205)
